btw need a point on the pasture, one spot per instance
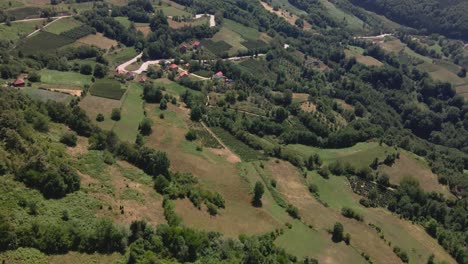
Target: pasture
(108, 89)
(443, 71)
(99, 41)
(132, 114)
(45, 95)
(190, 23)
(287, 11)
(63, 25)
(352, 22)
(43, 42)
(68, 78)
(24, 12)
(463, 90)
(245, 152)
(120, 55)
(172, 9)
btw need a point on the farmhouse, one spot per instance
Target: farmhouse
(173, 67)
(143, 79)
(218, 75)
(120, 71)
(18, 82)
(196, 44)
(183, 49)
(183, 75)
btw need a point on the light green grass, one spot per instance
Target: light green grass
(18, 30)
(230, 37)
(121, 55)
(126, 22)
(132, 114)
(356, 49)
(353, 23)
(286, 6)
(245, 32)
(59, 77)
(10, 4)
(359, 155)
(301, 241)
(63, 25)
(175, 88)
(172, 11)
(44, 95)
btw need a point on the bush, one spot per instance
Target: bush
(69, 139)
(313, 188)
(347, 238)
(337, 234)
(212, 209)
(350, 213)
(116, 114)
(293, 211)
(100, 117)
(191, 135)
(324, 172)
(145, 126)
(401, 254)
(163, 104)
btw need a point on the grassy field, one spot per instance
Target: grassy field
(63, 25)
(121, 55)
(245, 152)
(18, 30)
(94, 105)
(359, 155)
(43, 42)
(126, 22)
(24, 12)
(99, 41)
(366, 60)
(172, 10)
(45, 95)
(257, 66)
(65, 78)
(175, 88)
(132, 114)
(108, 89)
(353, 23)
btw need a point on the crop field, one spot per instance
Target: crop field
(65, 78)
(99, 41)
(172, 10)
(24, 12)
(78, 32)
(18, 30)
(43, 42)
(257, 66)
(216, 47)
(63, 25)
(108, 89)
(245, 152)
(359, 155)
(126, 22)
(132, 114)
(230, 37)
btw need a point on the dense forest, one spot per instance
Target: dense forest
(447, 18)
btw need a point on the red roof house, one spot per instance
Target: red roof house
(173, 66)
(18, 82)
(183, 75)
(120, 71)
(196, 44)
(218, 75)
(143, 79)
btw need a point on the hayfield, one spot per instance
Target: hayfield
(121, 55)
(98, 40)
(443, 71)
(192, 23)
(64, 78)
(63, 25)
(43, 42)
(108, 89)
(132, 114)
(463, 90)
(216, 47)
(45, 95)
(172, 10)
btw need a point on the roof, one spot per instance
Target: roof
(196, 43)
(183, 74)
(183, 46)
(120, 71)
(143, 78)
(219, 74)
(18, 81)
(173, 66)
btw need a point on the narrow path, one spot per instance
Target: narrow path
(53, 21)
(375, 37)
(34, 19)
(219, 141)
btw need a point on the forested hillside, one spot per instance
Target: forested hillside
(449, 18)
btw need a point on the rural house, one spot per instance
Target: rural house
(183, 75)
(218, 75)
(183, 49)
(196, 44)
(18, 82)
(173, 67)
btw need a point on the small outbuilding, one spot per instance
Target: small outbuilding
(19, 82)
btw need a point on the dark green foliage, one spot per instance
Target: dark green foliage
(313, 162)
(100, 70)
(152, 94)
(293, 211)
(347, 239)
(350, 213)
(116, 114)
(69, 139)
(191, 135)
(99, 117)
(79, 32)
(313, 188)
(196, 113)
(258, 192)
(401, 254)
(43, 43)
(337, 233)
(145, 126)
(163, 104)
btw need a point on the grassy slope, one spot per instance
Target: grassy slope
(18, 30)
(58, 77)
(132, 114)
(63, 25)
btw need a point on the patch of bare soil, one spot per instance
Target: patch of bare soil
(230, 156)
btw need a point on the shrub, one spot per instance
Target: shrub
(337, 234)
(293, 211)
(273, 183)
(100, 117)
(401, 254)
(191, 135)
(69, 139)
(313, 188)
(258, 193)
(212, 209)
(324, 172)
(116, 114)
(163, 104)
(350, 213)
(347, 238)
(145, 126)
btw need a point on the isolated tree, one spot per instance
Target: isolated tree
(145, 126)
(337, 234)
(116, 115)
(163, 104)
(258, 193)
(99, 117)
(100, 71)
(86, 69)
(196, 113)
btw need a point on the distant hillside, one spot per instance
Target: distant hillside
(449, 18)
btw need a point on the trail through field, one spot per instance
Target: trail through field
(37, 30)
(34, 19)
(375, 37)
(231, 156)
